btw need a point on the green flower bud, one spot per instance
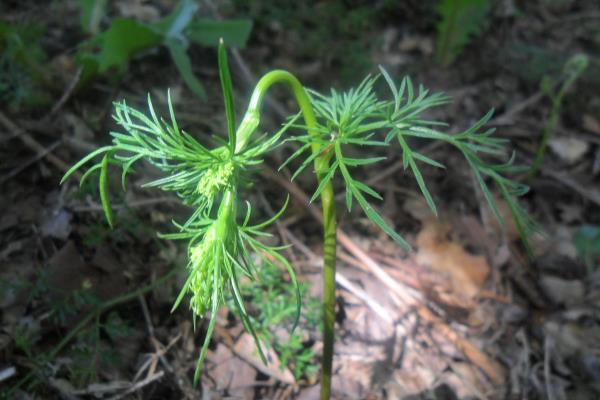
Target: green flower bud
(215, 179)
(202, 267)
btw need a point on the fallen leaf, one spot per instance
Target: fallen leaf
(246, 349)
(467, 272)
(68, 273)
(570, 213)
(569, 149)
(352, 379)
(591, 123)
(562, 291)
(423, 44)
(466, 380)
(231, 373)
(138, 9)
(56, 223)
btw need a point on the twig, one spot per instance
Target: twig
(547, 375)
(159, 349)
(33, 144)
(139, 385)
(153, 361)
(361, 294)
(507, 117)
(65, 96)
(406, 294)
(590, 193)
(31, 161)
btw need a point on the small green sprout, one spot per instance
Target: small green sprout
(556, 91)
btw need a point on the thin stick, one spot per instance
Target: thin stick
(66, 94)
(33, 144)
(547, 375)
(139, 385)
(31, 161)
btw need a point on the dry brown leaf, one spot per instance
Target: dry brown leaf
(591, 124)
(511, 231)
(68, 272)
(246, 349)
(352, 378)
(569, 149)
(138, 9)
(467, 272)
(466, 380)
(561, 291)
(231, 373)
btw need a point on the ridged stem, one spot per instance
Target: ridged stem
(246, 129)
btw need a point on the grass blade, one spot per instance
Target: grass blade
(227, 88)
(104, 199)
(84, 160)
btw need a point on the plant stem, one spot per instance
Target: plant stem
(548, 132)
(572, 70)
(246, 129)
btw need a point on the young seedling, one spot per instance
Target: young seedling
(573, 69)
(222, 239)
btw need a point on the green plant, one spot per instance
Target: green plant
(113, 323)
(460, 20)
(126, 37)
(221, 239)
(269, 295)
(85, 356)
(556, 90)
(23, 78)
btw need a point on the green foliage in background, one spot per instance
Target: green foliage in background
(22, 77)
(89, 352)
(460, 21)
(125, 38)
(28, 76)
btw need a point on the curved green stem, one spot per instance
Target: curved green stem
(245, 130)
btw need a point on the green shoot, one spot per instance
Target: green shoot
(572, 70)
